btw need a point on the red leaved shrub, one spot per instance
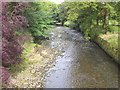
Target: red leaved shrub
(11, 46)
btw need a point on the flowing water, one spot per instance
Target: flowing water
(81, 63)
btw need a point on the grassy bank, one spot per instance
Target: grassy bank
(37, 58)
(109, 42)
(26, 60)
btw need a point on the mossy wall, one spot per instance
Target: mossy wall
(112, 51)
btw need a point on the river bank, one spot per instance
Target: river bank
(68, 58)
(37, 60)
(110, 48)
(83, 64)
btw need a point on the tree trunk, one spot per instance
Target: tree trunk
(104, 21)
(104, 14)
(97, 22)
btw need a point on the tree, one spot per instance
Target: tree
(40, 17)
(12, 20)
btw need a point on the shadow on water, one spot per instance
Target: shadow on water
(81, 64)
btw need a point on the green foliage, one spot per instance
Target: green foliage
(93, 18)
(113, 22)
(114, 29)
(82, 14)
(63, 9)
(70, 24)
(67, 23)
(113, 40)
(117, 8)
(96, 31)
(34, 44)
(25, 63)
(28, 49)
(40, 17)
(18, 32)
(21, 66)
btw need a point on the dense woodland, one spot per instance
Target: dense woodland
(20, 19)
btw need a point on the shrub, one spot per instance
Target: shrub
(10, 41)
(11, 47)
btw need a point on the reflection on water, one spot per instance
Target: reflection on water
(82, 64)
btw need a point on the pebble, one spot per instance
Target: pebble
(36, 70)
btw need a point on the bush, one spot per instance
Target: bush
(70, 24)
(12, 20)
(114, 29)
(96, 31)
(39, 19)
(67, 23)
(12, 49)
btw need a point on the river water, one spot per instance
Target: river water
(81, 63)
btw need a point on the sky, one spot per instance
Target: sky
(57, 1)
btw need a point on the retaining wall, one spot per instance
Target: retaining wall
(108, 48)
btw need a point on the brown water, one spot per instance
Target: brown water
(81, 64)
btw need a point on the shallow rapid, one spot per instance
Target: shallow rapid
(80, 64)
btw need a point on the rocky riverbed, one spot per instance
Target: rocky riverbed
(32, 76)
(67, 60)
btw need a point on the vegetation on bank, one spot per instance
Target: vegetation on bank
(90, 17)
(28, 49)
(23, 19)
(93, 19)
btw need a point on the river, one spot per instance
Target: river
(81, 63)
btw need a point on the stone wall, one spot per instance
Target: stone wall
(108, 48)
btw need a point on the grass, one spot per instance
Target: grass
(34, 44)
(24, 64)
(111, 38)
(114, 29)
(25, 61)
(28, 47)
(19, 67)
(26, 51)
(113, 21)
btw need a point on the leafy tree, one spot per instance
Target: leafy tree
(63, 9)
(117, 8)
(89, 15)
(40, 17)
